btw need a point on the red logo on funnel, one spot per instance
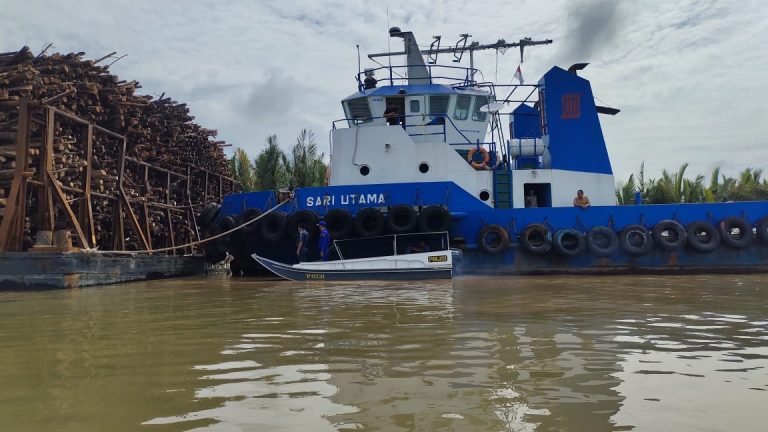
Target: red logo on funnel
(571, 106)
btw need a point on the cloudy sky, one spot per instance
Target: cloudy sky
(690, 76)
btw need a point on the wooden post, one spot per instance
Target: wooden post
(127, 204)
(168, 211)
(45, 211)
(86, 209)
(12, 226)
(63, 201)
(145, 212)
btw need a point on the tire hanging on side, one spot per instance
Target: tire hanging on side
(702, 236)
(401, 219)
(207, 216)
(762, 229)
(635, 240)
(669, 235)
(434, 219)
(272, 227)
(736, 232)
(602, 241)
(492, 239)
(307, 217)
(248, 215)
(569, 242)
(369, 222)
(537, 239)
(339, 223)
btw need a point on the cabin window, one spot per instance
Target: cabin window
(478, 115)
(463, 102)
(359, 110)
(438, 104)
(415, 106)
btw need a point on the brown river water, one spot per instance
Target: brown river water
(683, 353)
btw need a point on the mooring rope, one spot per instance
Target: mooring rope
(194, 243)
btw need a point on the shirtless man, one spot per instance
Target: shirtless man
(581, 200)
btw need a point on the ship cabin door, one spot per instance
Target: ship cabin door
(416, 117)
(399, 103)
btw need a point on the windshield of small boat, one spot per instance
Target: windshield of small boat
(393, 244)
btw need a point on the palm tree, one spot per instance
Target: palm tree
(270, 167)
(625, 192)
(306, 167)
(242, 170)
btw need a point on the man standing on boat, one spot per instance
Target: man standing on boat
(302, 243)
(324, 243)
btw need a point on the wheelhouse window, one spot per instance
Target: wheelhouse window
(461, 112)
(415, 106)
(477, 115)
(438, 104)
(359, 110)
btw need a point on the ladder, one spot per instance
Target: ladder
(502, 188)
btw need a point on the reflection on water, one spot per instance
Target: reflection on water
(475, 354)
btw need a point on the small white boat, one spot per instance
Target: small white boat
(418, 264)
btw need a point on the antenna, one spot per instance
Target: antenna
(358, 60)
(433, 50)
(389, 41)
(459, 52)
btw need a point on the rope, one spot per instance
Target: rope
(195, 243)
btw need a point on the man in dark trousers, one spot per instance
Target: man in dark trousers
(302, 243)
(392, 116)
(324, 243)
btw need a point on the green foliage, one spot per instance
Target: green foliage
(625, 192)
(270, 166)
(674, 187)
(306, 167)
(272, 169)
(243, 170)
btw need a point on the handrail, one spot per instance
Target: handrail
(444, 116)
(467, 80)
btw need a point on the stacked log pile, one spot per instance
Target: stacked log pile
(160, 133)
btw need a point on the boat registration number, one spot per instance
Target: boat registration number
(315, 276)
(437, 258)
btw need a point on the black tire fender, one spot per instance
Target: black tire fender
(248, 215)
(401, 219)
(434, 219)
(736, 232)
(492, 239)
(339, 223)
(369, 222)
(307, 217)
(537, 239)
(762, 229)
(272, 226)
(669, 235)
(208, 215)
(569, 242)
(602, 241)
(635, 240)
(702, 236)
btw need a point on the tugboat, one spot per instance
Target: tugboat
(425, 147)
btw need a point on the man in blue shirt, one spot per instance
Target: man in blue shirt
(302, 243)
(324, 243)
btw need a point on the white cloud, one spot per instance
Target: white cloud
(691, 76)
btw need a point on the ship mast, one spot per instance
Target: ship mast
(461, 47)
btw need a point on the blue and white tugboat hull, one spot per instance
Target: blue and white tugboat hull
(497, 167)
